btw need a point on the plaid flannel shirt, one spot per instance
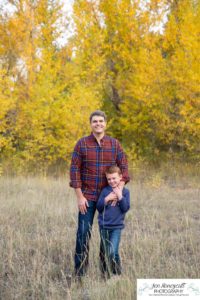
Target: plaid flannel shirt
(89, 162)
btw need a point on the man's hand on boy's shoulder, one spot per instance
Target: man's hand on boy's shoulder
(121, 184)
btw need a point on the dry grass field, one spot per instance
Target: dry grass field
(38, 219)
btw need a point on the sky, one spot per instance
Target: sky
(68, 4)
(67, 8)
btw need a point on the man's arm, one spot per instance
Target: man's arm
(75, 178)
(75, 168)
(121, 185)
(122, 163)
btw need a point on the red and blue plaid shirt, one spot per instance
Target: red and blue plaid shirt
(89, 162)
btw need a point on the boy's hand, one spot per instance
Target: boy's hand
(111, 197)
(118, 191)
(114, 202)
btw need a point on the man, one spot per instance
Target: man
(92, 155)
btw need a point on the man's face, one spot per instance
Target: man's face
(98, 124)
(113, 179)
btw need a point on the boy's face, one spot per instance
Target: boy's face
(113, 179)
(98, 124)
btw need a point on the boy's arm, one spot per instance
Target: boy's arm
(124, 203)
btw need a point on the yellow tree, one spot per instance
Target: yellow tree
(181, 48)
(40, 88)
(88, 47)
(130, 69)
(53, 102)
(9, 51)
(136, 73)
(105, 46)
(31, 62)
(7, 115)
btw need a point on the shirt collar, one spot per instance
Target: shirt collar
(93, 137)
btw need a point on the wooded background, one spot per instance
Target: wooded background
(136, 60)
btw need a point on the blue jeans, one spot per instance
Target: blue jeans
(110, 262)
(83, 235)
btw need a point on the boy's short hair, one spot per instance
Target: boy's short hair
(113, 169)
(99, 113)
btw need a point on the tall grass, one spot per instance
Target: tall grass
(38, 219)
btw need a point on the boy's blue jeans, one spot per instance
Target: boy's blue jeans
(109, 251)
(83, 235)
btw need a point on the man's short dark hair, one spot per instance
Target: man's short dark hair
(99, 113)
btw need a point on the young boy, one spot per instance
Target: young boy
(111, 220)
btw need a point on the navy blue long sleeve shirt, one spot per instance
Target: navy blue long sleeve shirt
(111, 217)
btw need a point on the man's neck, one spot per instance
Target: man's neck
(99, 136)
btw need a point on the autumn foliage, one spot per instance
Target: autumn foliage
(137, 60)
